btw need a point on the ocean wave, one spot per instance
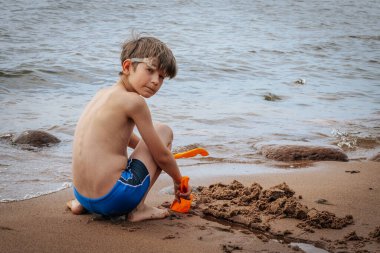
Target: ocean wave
(225, 120)
(15, 73)
(38, 194)
(373, 61)
(343, 95)
(365, 37)
(351, 141)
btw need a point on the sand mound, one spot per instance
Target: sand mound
(375, 234)
(254, 207)
(324, 219)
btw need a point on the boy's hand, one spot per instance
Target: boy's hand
(178, 194)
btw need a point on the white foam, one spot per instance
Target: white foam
(65, 185)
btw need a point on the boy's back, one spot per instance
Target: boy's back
(100, 141)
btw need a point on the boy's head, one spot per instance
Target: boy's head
(149, 47)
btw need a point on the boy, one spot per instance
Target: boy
(105, 180)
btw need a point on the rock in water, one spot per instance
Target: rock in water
(271, 97)
(300, 81)
(298, 152)
(36, 138)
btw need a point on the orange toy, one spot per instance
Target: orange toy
(191, 153)
(185, 204)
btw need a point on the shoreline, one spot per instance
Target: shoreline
(44, 224)
(24, 186)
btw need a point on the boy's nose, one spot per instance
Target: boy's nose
(156, 78)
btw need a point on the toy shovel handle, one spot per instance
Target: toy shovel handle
(191, 153)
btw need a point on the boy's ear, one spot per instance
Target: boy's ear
(126, 64)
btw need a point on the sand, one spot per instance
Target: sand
(288, 209)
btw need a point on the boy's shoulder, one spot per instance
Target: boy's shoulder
(115, 92)
(135, 101)
(129, 100)
(131, 97)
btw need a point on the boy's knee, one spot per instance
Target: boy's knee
(164, 130)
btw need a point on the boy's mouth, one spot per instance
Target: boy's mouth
(152, 91)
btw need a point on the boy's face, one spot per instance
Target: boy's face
(146, 79)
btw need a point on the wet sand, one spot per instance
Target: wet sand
(352, 188)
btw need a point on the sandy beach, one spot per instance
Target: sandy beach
(44, 224)
(258, 82)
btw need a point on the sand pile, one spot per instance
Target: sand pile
(375, 234)
(352, 242)
(254, 207)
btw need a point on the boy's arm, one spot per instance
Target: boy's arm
(138, 110)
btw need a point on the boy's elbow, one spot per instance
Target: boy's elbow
(164, 159)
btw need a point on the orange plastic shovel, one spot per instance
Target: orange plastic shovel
(191, 153)
(185, 204)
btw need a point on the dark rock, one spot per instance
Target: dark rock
(298, 152)
(271, 97)
(36, 138)
(300, 81)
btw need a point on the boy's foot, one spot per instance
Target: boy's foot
(147, 213)
(75, 207)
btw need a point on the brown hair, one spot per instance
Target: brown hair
(150, 47)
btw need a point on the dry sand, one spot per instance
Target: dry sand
(344, 188)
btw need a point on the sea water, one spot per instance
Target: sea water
(55, 55)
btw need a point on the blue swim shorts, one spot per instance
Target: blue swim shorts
(126, 194)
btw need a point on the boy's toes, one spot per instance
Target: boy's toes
(147, 213)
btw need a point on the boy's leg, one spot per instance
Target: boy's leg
(142, 153)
